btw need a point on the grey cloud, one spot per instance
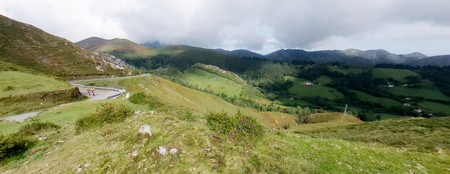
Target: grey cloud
(250, 24)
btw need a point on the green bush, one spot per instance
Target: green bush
(187, 115)
(141, 99)
(138, 98)
(106, 113)
(21, 141)
(154, 103)
(239, 127)
(36, 126)
(14, 145)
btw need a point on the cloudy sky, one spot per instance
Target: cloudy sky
(399, 26)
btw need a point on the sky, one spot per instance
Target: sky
(398, 26)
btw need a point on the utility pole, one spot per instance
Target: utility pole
(345, 110)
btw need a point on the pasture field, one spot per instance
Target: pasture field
(301, 90)
(13, 83)
(385, 102)
(396, 74)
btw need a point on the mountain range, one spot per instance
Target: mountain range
(348, 56)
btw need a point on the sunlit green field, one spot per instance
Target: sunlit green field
(385, 102)
(425, 92)
(216, 83)
(13, 83)
(315, 90)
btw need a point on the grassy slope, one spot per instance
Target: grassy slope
(425, 92)
(35, 101)
(206, 80)
(218, 84)
(315, 90)
(427, 135)
(14, 83)
(385, 102)
(346, 71)
(108, 149)
(435, 107)
(326, 120)
(63, 114)
(23, 92)
(199, 102)
(396, 74)
(123, 45)
(323, 80)
(32, 48)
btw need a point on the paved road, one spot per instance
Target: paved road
(101, 93)
(21, 117)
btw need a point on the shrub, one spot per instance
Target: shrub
(106, 113)
(9, 88)
(138, 98)
(141, 98)
(187, 115)
(36, 126)
(14, 145)
(154, 103)
(21, 141)
(239, 127)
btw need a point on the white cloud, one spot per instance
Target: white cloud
(261, 25)
(397, 38)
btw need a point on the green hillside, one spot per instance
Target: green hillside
(209, 81)
(14, 83)
(427, 135)
(396, 74)
(385, 102)
(31, 48)
(22, 92)
(218, 81)
(95, 44)
(181, 120)
(173, 94)
(301, 90)
(424, 92)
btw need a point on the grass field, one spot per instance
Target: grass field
(392, 117)
(13, 83)
(64, 114)
(427, 93)
(207, 80)
(435, 107)
(428, 135)
(396, 74)
(385, 102)
(312, 91)
(350, 70)
(198, 102)
(119, 148)
(293, 102)
(323, 80)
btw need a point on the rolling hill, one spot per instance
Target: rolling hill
(96, 44)
(31, 49)
(182, 123)
(348, 56)
(443, 60)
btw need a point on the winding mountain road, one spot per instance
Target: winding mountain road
(101, 93)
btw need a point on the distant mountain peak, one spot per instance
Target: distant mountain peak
(416, 55)
(96, 44)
